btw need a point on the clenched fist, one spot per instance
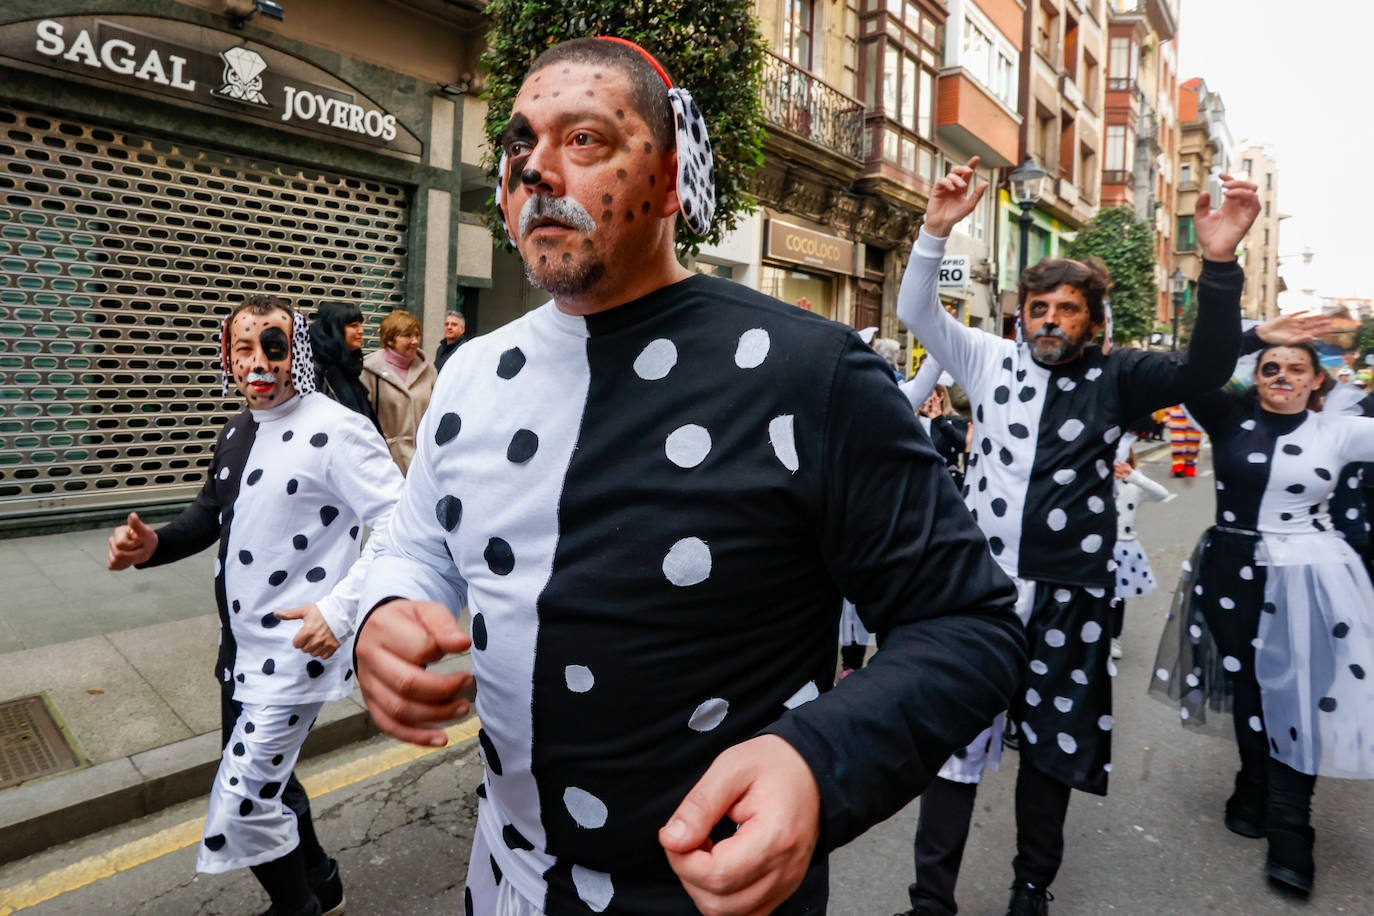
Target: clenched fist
(131, 544)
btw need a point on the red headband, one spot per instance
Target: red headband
(647, 56)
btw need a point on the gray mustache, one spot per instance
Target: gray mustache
(1051, 331)
(268, 378)
(564, 209)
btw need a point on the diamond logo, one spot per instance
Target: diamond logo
(243, 75)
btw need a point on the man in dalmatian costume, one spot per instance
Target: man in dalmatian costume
(294, 478)
(1048, 413)
(651, 493)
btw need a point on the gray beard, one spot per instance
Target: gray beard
(565, 280)
(1062, 350)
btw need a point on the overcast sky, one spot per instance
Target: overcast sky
(1298, 78)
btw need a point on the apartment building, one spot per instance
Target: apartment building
(1205, 151)
(1260, 301)
(1142, 133)
(1062, 97)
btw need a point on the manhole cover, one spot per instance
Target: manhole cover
(31, 744)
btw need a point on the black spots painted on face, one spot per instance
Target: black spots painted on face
(629, 216)
(555, 93)
(319, 439)
(620, 113)
(530, 177)
(275, 346)
(543, 259)
(511, 362)
(567, 257)
(567, 70)
(596, 76)
(500, 558)
(588, 245)
(590, 94)
(536, 95)
(607, 200)
(648, 147)
(644, 208)
(516, 169)
(621, 174)
(492, 758)
(652, 179)
(607, 216)
(327, 515)
(314, 667)
(449, 426)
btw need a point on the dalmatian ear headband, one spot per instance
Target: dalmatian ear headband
(302, 356)
(696, 165)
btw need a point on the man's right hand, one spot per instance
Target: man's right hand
(399, 639)
(950, 200)
(131, 544)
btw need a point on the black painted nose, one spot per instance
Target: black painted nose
(530, 177)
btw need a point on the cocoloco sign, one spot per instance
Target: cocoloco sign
(205, 69)
(800, 245)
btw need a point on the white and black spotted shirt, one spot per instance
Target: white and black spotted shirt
(1039, 479)
(286, 495)
(652, 513)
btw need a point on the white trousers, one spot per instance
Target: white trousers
(247, 823)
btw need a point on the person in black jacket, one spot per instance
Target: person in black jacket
(336, 335)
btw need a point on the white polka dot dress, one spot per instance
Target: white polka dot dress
(657, 574)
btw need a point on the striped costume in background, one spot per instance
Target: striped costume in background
(1186, 439)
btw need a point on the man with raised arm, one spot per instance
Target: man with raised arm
(1047, 414)
(652, 493)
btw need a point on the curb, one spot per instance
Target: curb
(45, 812)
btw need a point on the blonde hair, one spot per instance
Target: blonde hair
(399, 323)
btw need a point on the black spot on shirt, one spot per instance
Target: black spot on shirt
(522, 446)
(245, 808)
(1002, 394)
(300, 542)
(277, 577)
(479, 631)
(291, 486)
(514, 839)
(215, 843)
(254, 476)
(500, 559)
(1327, 704)
(449, 425)
(319, 439)
(269, 790)
(270, 620)
(245, 557)
(489, 752)
(314, 667)
(449, 511)
(316, 575)
(327, 515)
(269, 666)
(1341, 630)
(511, 362)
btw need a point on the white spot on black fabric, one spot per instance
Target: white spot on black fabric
(1065, 476)
(1054, 637)
(1032, 697)
(593, 887)
(808, 692)
(500, 558)
(449, 426)
(752, 348)
(783, 439)
(1067, 744)
(585, 808)
(1057, 519)
(510, 363)
(1039, 667)
(223, 474)
(688, 562)
(1092, 374)
(522, 446)
(708, 715)
(1070, 429)
(656, 360)
(1092, 543)
(579, 678)
(687, 446)
(1092, 632)
(1257, 458)
(1230, 663)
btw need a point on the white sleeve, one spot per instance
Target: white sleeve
(1151, 490)
(412, 559)
(918, 388)
(1357, 439)
(367, 479)
(961, 350)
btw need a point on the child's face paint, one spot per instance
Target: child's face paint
(260, 358)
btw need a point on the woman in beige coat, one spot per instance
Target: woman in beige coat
(399, 380)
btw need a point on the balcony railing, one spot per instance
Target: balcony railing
(1118, 176)
(811, 108)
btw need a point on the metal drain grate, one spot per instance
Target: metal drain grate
(31, 744)
(119, 255)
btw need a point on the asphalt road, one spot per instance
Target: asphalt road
(1155, 845)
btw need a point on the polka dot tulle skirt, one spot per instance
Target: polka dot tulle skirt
(1134, 577)
(1309, 629)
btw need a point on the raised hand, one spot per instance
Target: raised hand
(393, 647)
(950, 200)
(1219, 231)
(765, 787)
(132, 543)
(314, 637)
(1286, 330)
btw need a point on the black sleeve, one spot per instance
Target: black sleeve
(190, 532)
(1156, 380)
(903, 548)
(1250, 342)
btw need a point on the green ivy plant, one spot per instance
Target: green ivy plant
(1127, 244)
(711, 47)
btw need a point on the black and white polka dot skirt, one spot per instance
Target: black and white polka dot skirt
(1134, 577)
(1304, 607)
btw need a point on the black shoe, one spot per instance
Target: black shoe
(310, 909)
(1290, 859)
(1247, 808)
(329, 890)
(1029, 900)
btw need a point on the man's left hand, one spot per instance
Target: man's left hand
(1293, 329)
(315, 638)
(765, 787)
(1219, 231)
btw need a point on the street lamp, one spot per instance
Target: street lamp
(1025, 181)
(1178, 284)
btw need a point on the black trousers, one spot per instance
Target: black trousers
(1042, 804)
(286, 880)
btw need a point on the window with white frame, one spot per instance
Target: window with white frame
(989, 58)
(1120, 149)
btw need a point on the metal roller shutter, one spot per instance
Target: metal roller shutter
(119, 256)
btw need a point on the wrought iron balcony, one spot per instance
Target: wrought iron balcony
(811, 108)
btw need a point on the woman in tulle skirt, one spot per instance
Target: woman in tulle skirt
(1273, 621)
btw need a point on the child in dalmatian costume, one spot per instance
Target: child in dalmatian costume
(294, 479)
(1135, 578)
(1048, 412)
(651, 509)
(1273, 620)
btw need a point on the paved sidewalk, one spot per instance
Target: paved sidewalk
(126, 663)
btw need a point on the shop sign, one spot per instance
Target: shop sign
(207, 69)
(954, 274)
(799, 245)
